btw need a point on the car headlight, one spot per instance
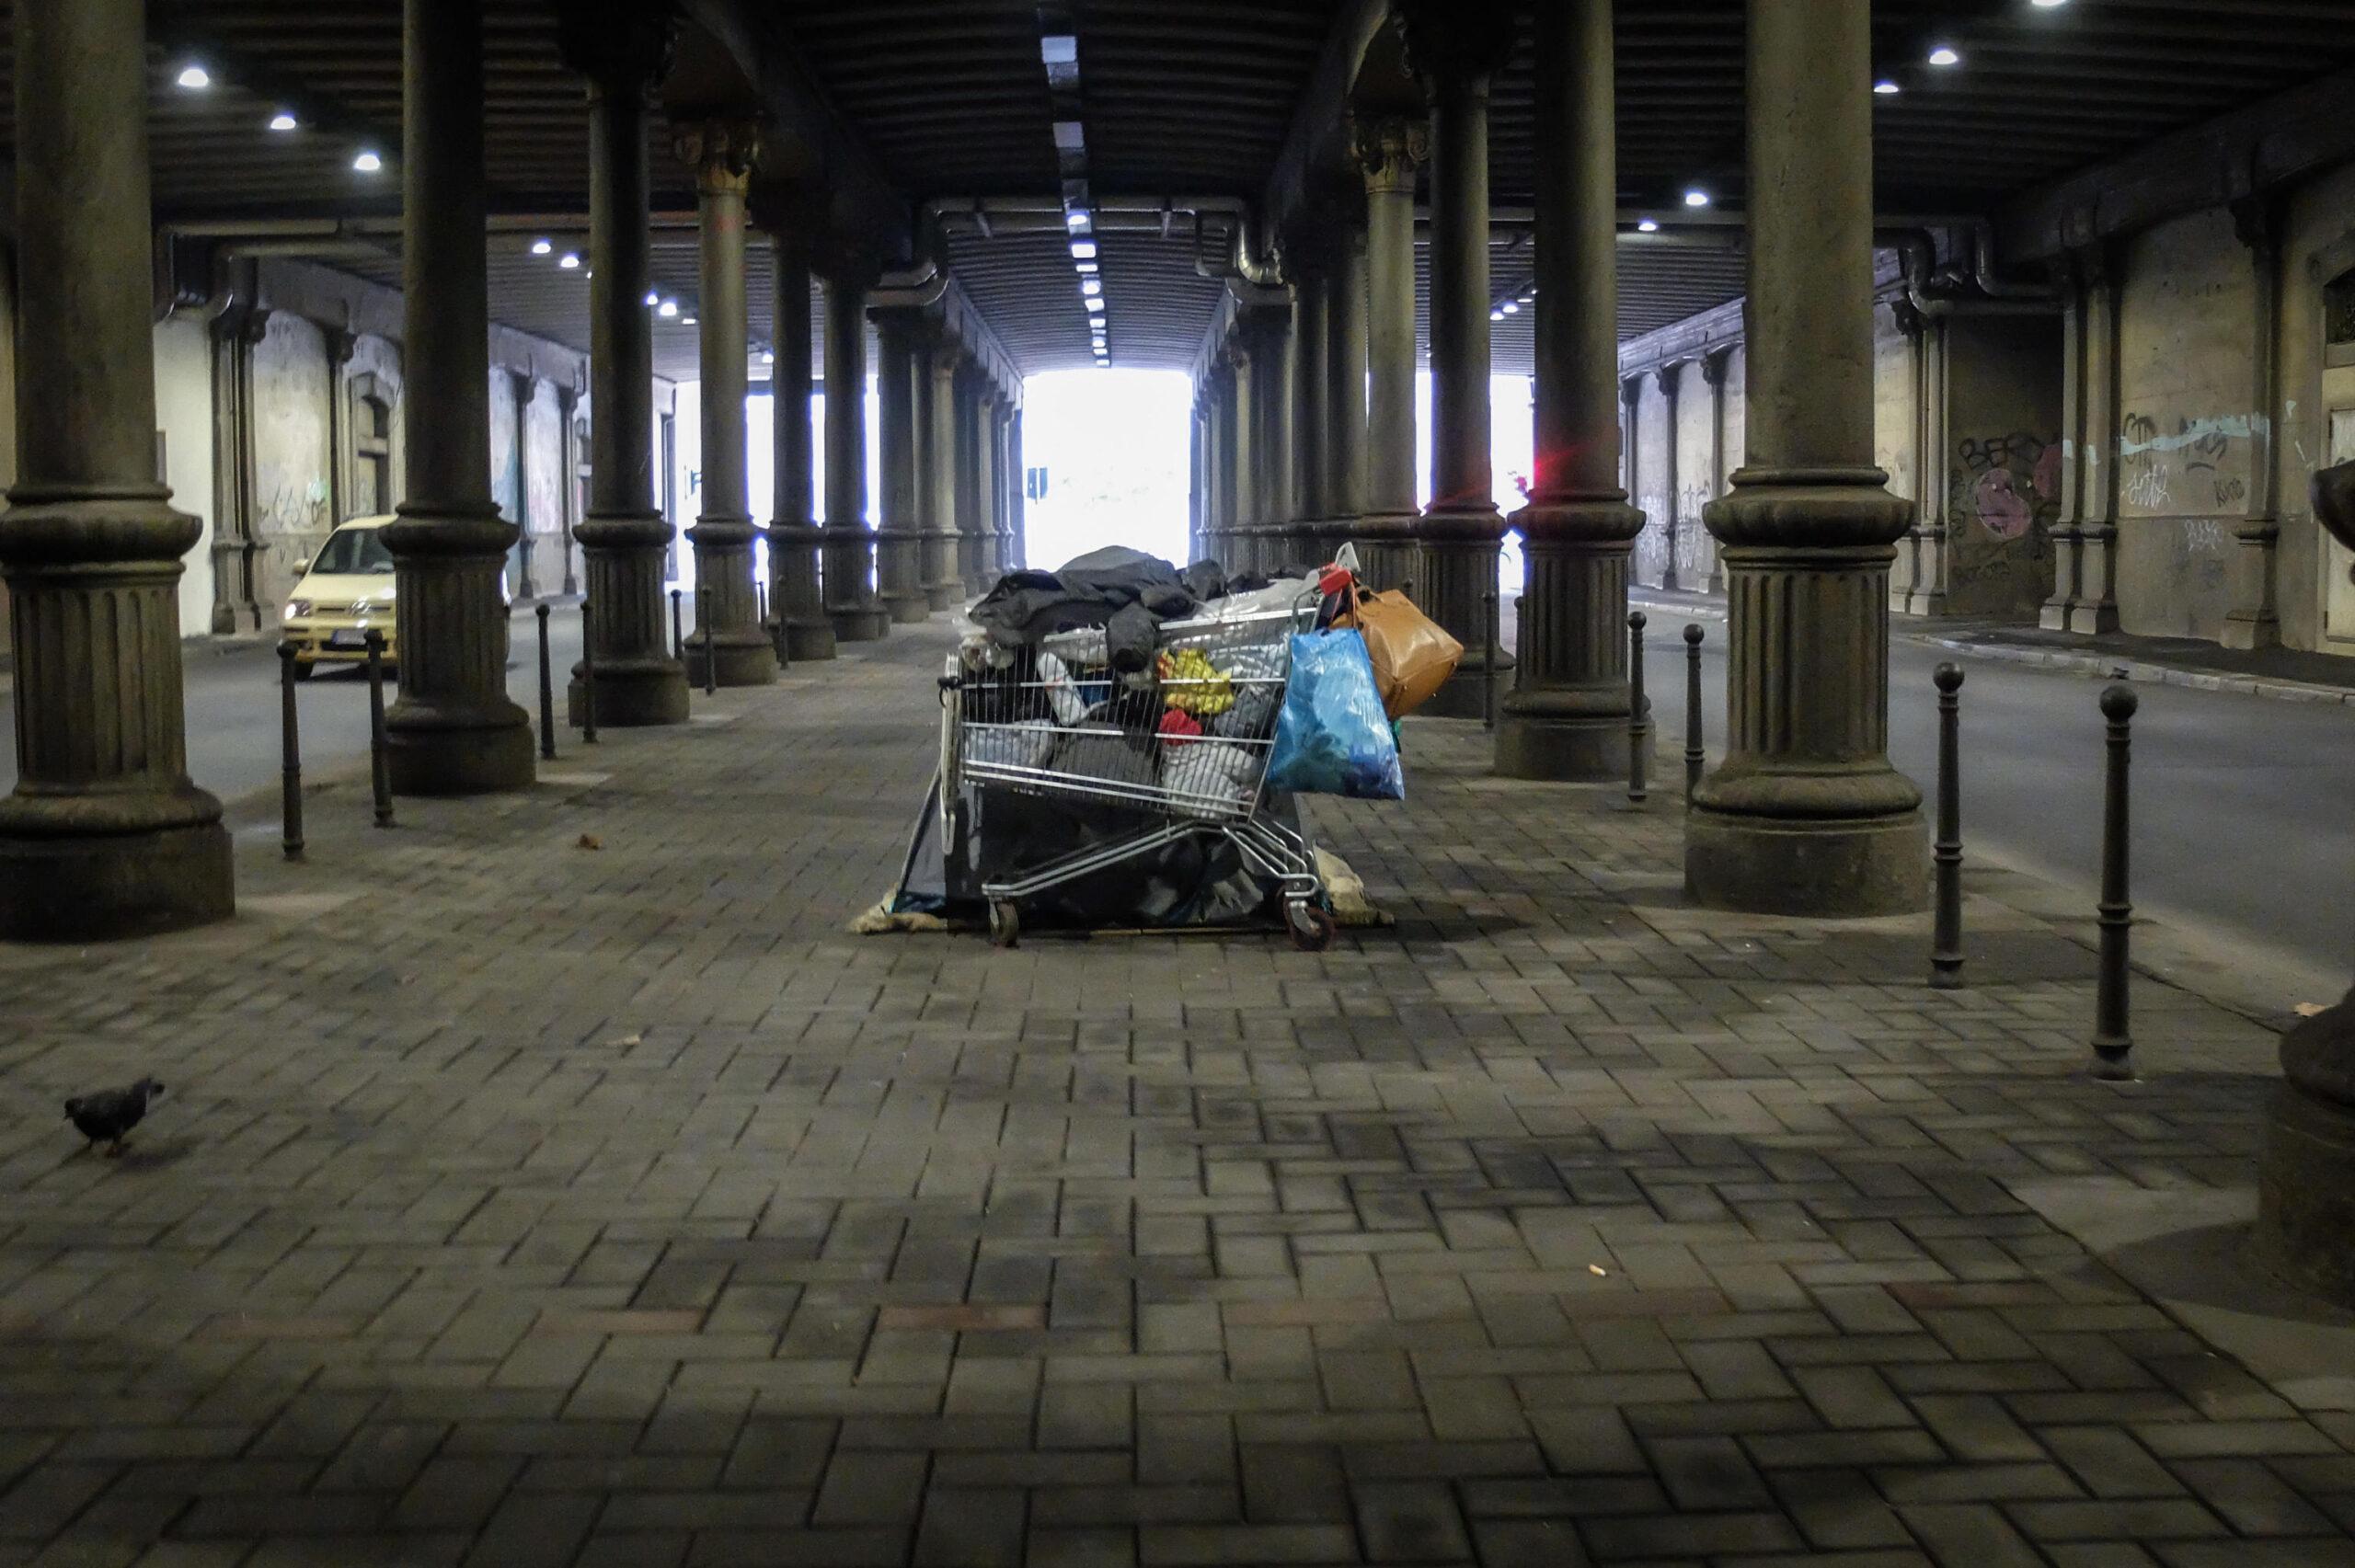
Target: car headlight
(297, 608)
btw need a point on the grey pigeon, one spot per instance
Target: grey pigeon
(108, 1116)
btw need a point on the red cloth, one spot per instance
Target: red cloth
(1179, 724)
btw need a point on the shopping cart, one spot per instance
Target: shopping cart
(1173, 751)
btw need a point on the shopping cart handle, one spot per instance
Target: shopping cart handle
(952, 682)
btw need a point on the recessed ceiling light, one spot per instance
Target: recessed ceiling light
(1647, 225)
(569, 261)
(1084, 268)
(367, 162)
(541, 247)
(1090, 287)
(1075, 220)
(1495, 315)
(1093, 305)
(194, 77)
(1887, 89)
(1082, 250)
(1696, 197)
(2048, 5)
(653, 297)
(768, 356)
(1510, 307)
(686, 321)
(282, 121)
(1942, 55)
(667, 309)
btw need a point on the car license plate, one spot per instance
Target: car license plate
(346, 640)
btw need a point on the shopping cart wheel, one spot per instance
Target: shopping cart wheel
(1310, 927)
(1005, 926)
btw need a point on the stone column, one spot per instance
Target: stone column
(2083, 597)
(1345, 359)
(1456, 46)
(1243, 448)
(1312, 298)
(1567, 717)
(1931, 534)
(1715, 369)
(104, 836)
(2254, 619)
(1018, 498)
(524, 385)
(454, 730)
(1389, 151)
(1805, 816)
(851, 604)
(723, 152)
(943, 581)
(794, 535)
(1671, 378)
(1278, 380)
(899, 536)
(567, 401)
(623, 49)
(1209, 542)
(1002, 479)
(986, 543)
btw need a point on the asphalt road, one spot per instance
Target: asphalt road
(233, 709)
(2244, 825)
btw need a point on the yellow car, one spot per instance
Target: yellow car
(345, 591)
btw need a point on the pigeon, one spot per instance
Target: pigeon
(108, 1116)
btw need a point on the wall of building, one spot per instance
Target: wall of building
(2002, 461)
(1697, 477)
(184, 429)
(1650, 488)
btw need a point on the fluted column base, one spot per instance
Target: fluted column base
(638, 684)
(972, 564)
(1567, 717)
(1388, 552)
(801, 630)
(105, 836)
(851, 608)
(1456, 570)
(899, 564)
(734, 645)
(454, 730)
(1806, 816)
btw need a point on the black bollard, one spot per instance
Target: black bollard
(761, 587)
(290, 748)
(548, 691)
(1695, 748)
(1946, 940)
(1489, 686)
(1639, 712)
(2112, 1043)
(702, 625)
(588, 678)
(678, 634)
(380, 774)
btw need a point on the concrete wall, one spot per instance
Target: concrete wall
(1697, 477)
(2002, 463)
(1650, 488)
(292, 454)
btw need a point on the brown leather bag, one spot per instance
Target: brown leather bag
(1413, 654)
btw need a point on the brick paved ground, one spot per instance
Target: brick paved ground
(522, 1203)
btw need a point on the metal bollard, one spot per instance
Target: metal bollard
(2112, 1043)
(290, 754)
(548, 691)
(380, 774)
(1946, 940)
(1639, 713)
(678, 634)
(588, 678)
(1696, 752)
(1489, 686)
(761, 587)
(777, 631)
(710, 660)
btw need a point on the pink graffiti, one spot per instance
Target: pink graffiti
(2048, 473)
(2001, 506)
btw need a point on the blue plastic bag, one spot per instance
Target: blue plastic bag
(1332, 737)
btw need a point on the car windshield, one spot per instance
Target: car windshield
(354, 552)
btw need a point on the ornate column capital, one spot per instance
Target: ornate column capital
(1390, 151)
(723, 150)
(1670, 376)
(1716, 366)
(1631, 390)
(619, 45)
(341, 342)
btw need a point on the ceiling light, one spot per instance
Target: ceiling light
(1495, 315)
(1093, 305)
(2048, 5)
(1090, 287)
(569, 261)
(194, 77)
(1058, 48)
(541, 247)
(1696, 197)
(1887, 89)
(768, 356)
(668, 309)
(282, 121)
(1647, 225)
(686, 321)
(653, 297)
(1075, 220)
(1082, 250)
(1510, 307)
(1942, 55)
(367, 162)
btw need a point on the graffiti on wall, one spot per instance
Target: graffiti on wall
(2004, 491)
(2190, 465)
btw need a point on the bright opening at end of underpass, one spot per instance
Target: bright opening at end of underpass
(1106, 454)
